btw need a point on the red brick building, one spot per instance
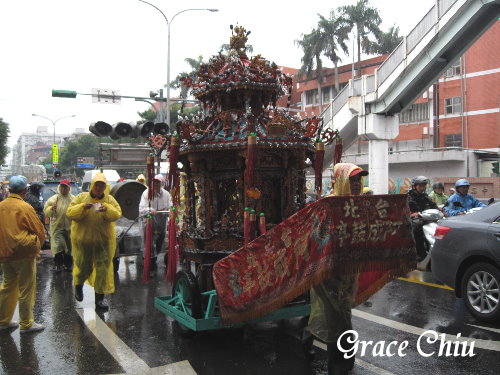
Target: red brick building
(466, 97)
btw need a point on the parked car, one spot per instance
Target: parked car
(466, 257)
(50, 189)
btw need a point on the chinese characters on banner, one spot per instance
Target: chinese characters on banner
(366, 235)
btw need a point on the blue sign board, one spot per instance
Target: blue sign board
(85, 165)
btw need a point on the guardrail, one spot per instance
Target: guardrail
(392, 62)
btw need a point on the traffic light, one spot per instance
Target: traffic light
(54, 166)
(101, 129)
(495, 167)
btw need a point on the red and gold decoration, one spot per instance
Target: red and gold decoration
(318, 166)
(369, 236)
(262, 223)
(173, 248)
(148, 240)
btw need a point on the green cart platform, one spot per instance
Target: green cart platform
(197, 311)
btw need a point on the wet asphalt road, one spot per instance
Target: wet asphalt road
(138, 334)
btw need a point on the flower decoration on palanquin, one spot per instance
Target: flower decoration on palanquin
(158, 141)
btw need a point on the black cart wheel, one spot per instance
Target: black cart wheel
(480, 291)
(186, 288)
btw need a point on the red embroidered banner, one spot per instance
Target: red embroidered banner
(369, 235)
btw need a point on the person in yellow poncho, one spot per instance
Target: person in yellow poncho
(60, 242)
(142, 179)
(93, 239)
(21, 236)
(331, 300)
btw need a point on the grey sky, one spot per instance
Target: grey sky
(122, 45)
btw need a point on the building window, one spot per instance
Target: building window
(453, 105)
(311, 97)
(454, 70)
(326, 94)
(453, 140)
(416, 113)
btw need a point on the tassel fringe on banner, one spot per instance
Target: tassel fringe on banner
(380, 278)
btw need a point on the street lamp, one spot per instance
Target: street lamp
(168, 48)
(53, 123)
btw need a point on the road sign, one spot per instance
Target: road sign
(55, 154)
(106, 96)
(86, 162)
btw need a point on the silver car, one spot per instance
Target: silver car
(466, 257)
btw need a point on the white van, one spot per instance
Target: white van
(111, 175)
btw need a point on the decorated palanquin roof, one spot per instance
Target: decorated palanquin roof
(238, 95)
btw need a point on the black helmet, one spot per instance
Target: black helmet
(419, 180)
(437, 185)
(34, 186)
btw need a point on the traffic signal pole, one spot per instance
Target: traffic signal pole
(115, 98)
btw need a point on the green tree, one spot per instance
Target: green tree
(195, 67)
(86, 145)
(388, 41)
(147, 115)
(365, 20)
(313, 45)
(4, 135)
(335, 32)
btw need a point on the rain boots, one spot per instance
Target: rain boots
(337, 364)
(58, 262)
(79, 293)
(99, 302)
(67, 262)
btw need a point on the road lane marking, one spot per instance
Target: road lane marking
(485, 328)
(479, 343)
(126, 358)
(360, 362)
(416, 281)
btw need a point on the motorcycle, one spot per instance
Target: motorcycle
(430, 218)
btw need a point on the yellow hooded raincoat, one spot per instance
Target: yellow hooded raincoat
(59, 222)
(93, 239)
(332, 299)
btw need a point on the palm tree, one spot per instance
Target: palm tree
(365, 20)
(312, 45)
(335, 32)
(195, 67)
(388, 40)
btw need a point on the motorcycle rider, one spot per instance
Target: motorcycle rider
(438, 194)
(419, 201)
(462, 201)
(34, 198)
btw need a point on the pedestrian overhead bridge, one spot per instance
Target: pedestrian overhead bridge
(368, 106)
